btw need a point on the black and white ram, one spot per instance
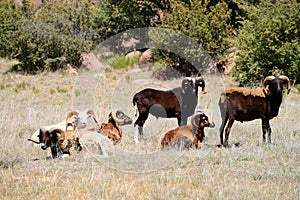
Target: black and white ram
(178, 103)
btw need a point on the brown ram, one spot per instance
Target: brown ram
(178, 103)
(112, 129)
(242, 104)
(188, 135)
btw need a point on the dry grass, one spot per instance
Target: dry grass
(251, 171)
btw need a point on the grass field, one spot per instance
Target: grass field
(250, 171)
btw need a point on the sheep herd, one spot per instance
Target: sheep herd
(236, 104)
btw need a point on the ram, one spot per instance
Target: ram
(178, 103)
(188, 135)
(75, 119)
(242, 104)
(61, 142)
(112, 129)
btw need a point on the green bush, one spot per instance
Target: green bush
(205, 24)
(56, 35)
(269, 42)
(121, 62)
(115, 16)
(9, 16)
(209, 26)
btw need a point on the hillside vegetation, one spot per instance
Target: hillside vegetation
(265, 34)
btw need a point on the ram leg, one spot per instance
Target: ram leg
(179, 120)
(183, 121)
(266, 128)
(227, 131)
(224, 121)
(269, 132)
(138, 132)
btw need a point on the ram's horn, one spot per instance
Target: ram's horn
(287, 82)
(195, 119)
(267, 80)
(90, 112)
(114, 116)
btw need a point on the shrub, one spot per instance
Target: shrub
(121, 62)
(9, 15)
(269, 42)
(209, 25)
(56, 35)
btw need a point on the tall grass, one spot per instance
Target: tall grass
(250, 171)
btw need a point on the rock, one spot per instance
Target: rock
(146, 57)
(132, 55)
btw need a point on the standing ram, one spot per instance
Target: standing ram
(178, 103)
(242, 104)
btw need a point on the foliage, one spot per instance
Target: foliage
(208, 25)
(57, 34)
(115, 16)
(122, 62)
(269, 41)
(9, 14)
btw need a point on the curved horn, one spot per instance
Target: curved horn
(267, 80)
(287, 82)
(91, 112)
(114, 116)
(195, 118)
(70, 114)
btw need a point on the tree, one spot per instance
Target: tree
(208, 25)
(115, 16)
(269, 41)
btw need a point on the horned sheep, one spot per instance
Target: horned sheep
(178, 103)
(242, 104)
(188, 135)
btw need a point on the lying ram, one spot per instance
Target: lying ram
(112, 129)
(76, 119)
(188, 135)
(242, 104)
(60, 142)
(178, 103)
